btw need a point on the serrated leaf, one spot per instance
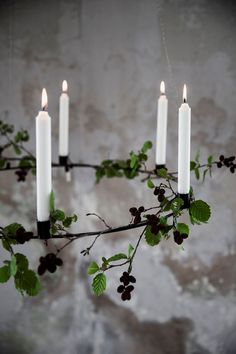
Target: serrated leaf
(51, 202)
(183, 228)
(67, 221)
(117, 257)
(93, 268)
(150, 184)
(130, 250)
(13, 266)
(99, 284)
(200, 211)
(11, 229)
(5, 274)
(21, 261)
(162, 172)
(152, 239)
(58, 214)
(176, 204)
(27, 282)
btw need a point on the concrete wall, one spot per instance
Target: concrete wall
(113, 55)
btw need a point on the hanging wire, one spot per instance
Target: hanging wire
(160, 17)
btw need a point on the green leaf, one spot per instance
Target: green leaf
(210, 159)
(93, 268)
(176, 204)
(67, 221)
(21, 261)
(130, 250)
(199, 212)
(204, 174)
(162, 172)
(196, 171)
(17, 149)
(151, 238)
(99, 284)
(150, 184)
(133, 159)
(59, 215)
(192, 165)
(182, 228)
(51, 202)
(146, 146)
(27, 282)
(13, 265)
(117, 257)
(11, 229)
(5, 274)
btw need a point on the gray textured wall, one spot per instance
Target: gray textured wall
(113, 56)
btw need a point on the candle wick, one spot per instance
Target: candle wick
(185, 101)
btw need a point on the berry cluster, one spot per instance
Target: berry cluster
(178, 237)
(137, 214)
(23, 236)
(125, 289)
(160, 192)
(227, 162)
(50, 263)
(21, 174)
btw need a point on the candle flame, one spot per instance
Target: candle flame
(44, 99)
(64, 86)
(185, 93)
(162, 88)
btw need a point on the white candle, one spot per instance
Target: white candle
(64, 121)
(184, 145)
(43, 161)
(162, 107)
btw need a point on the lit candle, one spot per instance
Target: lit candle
(184, 146)
(64, 124)
(162, 108)
(43, 162)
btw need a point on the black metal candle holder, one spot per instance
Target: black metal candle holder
(158, 167)
(44, 229)
(63, 160)
(186, 200)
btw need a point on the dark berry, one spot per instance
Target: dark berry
(133, 211)
(219, 164)
(132, 279)
(141, 209)
(129, 288)
(222, 157)
(59, 262)
(120, 289)
(52, 268)
(124, 296)
(156, 191)
(137, 219)
(232, 169)
(184, 236)
(162, 191)
(41, 269)
(178, 239)
(161, 197)
(231, 158)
